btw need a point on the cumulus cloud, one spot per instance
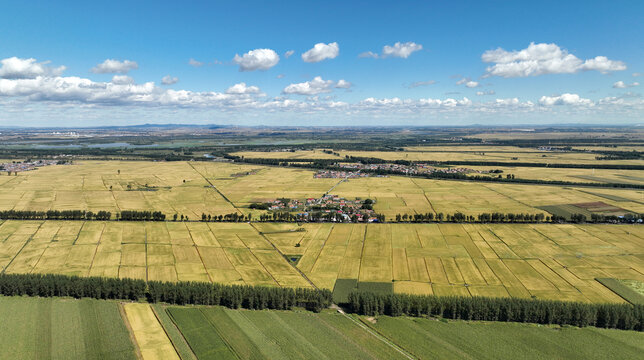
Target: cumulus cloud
(399, 50)
(483, 93)
(313, 87)
(468, 83)
(195, 63)
(564, 99)
(343, 84)
(288, 54)
(321, 51)
(111, 66)
(421, 83)
(17, 68)
(241, 88)
(122, 80)
(541, 59)
(622, 85)
(169, 80)
(258, 59)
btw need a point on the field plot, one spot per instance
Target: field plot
(487, 153)
(231, 253)
(298, 154)
(152, 341)
(218, 333)
(170, 187)
(431, 339)
(37, 328)
(567, 174)
(537, 260)
(141, 185)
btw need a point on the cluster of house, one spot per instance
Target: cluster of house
(358, 209)
(26, 165)
(404, 169)
(333, 174)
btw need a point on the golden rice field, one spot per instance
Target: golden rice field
(232, 253)
(473, 153)
(98, 185)
(572, 175)
(544, 261)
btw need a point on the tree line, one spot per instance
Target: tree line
(180, 293)
(54, 215)
(615, 316)
(459, 217)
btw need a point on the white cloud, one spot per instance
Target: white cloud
(122, 80)
(400, 50)
(313, 87)
(111, 66)
(169, 80)
(343, 84)
(540, 59)
(369, 54)
(636, 74)
(622, 85)
(483, 93)
(258, 59)
(288, 54)
(468, 83)
(195, 63)
(17, 68)
(280, 76)
(321, 51)
(241, 88)
(564, 99)
(421, 83)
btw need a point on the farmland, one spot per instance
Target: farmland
(223, 333)
(35, 328)
(455, 153)
(528, 260)
(138, 185)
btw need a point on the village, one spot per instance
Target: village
(328, 207)
(16, 167)
(356, 170)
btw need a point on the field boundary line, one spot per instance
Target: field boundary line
(31, 237)
(223, 338)
(43, 253)
(154, 311)
(378, 336)
(217, 190)
(89, 269)
(282, 254)
(128, 326)
(198, 252)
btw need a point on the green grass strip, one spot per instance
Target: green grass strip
(622, 290)
(177, 339)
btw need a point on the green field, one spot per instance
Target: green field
(218, 333)
(36, 328)
(431, 339)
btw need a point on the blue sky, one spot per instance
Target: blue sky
(457, 62)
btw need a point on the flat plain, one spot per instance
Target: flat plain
(40, 328)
